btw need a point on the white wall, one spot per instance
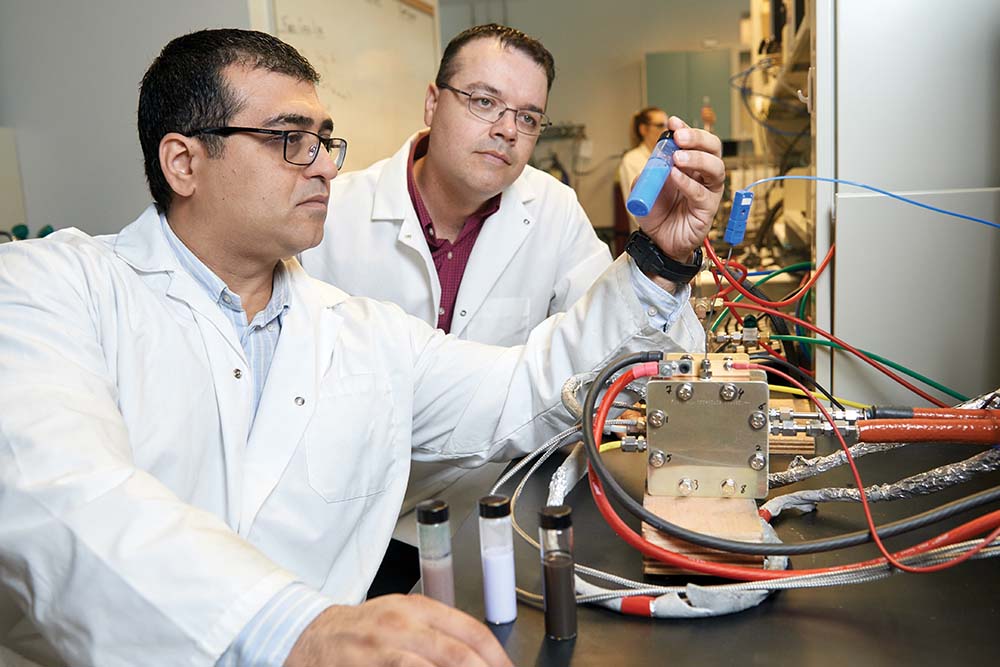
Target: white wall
(69, 85)
(598, 47)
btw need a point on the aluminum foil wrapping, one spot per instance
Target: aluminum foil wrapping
(567, 475)
(921, 484)
(802, 468)
(574, 386)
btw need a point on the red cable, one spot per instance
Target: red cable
(967, 431)
(763, 302)
(850, 348)
(864, 497)
(960, 533)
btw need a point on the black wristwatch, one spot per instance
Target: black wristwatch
(650, 259)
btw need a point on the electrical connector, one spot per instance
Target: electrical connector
(737, 226)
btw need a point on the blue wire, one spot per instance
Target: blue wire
(825, 179)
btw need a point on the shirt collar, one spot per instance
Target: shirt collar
(217, 290)
(418, 149)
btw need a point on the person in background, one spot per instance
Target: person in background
(203, 450)
(647, 126)
(458, 230)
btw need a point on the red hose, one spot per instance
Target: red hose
(955, 413)
(970, 431)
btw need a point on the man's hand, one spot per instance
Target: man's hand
(396, 630)
(682, 215)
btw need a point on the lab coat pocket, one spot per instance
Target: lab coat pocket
(347, 443)
(501, 321)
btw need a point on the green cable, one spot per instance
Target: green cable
(892, 364)
(739, 297)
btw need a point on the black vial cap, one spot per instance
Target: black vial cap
(494, 507)
(432, 511)
(555, 517)
(669, 134)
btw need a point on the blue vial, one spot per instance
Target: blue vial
(653, 176)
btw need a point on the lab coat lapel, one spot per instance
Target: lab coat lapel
(143, 245)
(501, 237)
(290, 393)
(392, 202)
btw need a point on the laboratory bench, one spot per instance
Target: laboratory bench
(951, 617)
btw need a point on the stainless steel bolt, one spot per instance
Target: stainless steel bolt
(686, 487)
(727, 392)
(657, 458)
(685, 392)
(656, 419)
(758, 420)
(729, 487)
(757, 461)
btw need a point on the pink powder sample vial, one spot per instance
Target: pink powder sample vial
(434, 541)
(496, 547)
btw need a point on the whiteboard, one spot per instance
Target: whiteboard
(375, 58)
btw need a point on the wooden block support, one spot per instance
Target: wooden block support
(731, 518)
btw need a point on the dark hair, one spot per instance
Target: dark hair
(508, 37)
(642, 117)
(185, 89)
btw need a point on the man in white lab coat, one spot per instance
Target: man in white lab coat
(459, 231)
(203, 450)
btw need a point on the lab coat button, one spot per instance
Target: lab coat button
(300, 401)
(237, 373)
(527, 222)
(462, 313)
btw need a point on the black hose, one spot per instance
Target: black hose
(614, 489)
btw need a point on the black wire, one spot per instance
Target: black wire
(614, 489)
(801, 375)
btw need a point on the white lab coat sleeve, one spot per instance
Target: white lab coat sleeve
(582, 258)
(476, 402)
(102, 559)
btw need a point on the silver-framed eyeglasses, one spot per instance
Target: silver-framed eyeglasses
(301, 147)
(489, 108)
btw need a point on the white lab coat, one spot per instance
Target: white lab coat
(533, 258)
(140, 521)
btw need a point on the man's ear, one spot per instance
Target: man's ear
(430, 103)
(179, 155)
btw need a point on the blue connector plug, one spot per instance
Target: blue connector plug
(737, 225)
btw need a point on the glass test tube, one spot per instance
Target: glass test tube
(496, 547)
(434, 541)
(555, 535)
(653, 176)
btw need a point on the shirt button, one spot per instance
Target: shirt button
(449, 254)
(462, 313)
(431, 231)
(651, 312)
(440, 311)
(237, 373)
(225, 297)
(270, 327)
(300, 401)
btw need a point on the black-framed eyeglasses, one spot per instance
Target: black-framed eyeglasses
(489, 108)
(301, 146)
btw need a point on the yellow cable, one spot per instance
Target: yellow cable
(799, 392)
(608, 446)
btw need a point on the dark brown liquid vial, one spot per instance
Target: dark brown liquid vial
(559, 591)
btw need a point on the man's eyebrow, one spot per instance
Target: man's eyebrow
(298, 120)
(487, 88)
